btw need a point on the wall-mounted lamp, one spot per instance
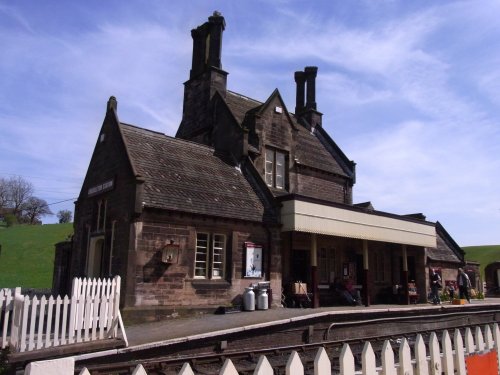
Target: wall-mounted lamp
(170, 253)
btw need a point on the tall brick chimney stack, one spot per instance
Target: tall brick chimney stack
(300, 80)
(206, 78)
(306, 81)
(311, 72)
(207, 45)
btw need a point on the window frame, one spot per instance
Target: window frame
(327, 261)
(275, 162)
(210, 252)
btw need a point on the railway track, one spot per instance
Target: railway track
(208, 355)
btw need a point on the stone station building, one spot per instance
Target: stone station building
(246, 192)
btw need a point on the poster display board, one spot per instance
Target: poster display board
(253, 258)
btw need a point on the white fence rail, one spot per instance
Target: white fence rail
(92, 313)
(473, 354)
(6, 308)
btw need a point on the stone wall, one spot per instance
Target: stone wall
(162, 284)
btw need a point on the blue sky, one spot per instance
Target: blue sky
(410, 90)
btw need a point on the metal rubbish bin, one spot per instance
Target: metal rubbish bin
(262, 300)
(249, 299)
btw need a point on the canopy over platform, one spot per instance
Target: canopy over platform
(302, 215)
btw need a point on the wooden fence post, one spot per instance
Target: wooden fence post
(322, 364)
(405, 365)
(422, 365)
(294, 365)
(448, 365)
(470, 347)
(369, 365)
(388, 365)
(459, 352)
(263, 367)
(479, 340)
(228, 368)
(346, 361)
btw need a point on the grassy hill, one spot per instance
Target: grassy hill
(482, 254)
(27, 254)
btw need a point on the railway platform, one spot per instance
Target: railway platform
(147, 336)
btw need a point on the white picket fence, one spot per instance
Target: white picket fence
(6, 307)
(92, 313)
(451, 356)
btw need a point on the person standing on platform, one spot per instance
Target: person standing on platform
(435, 286)
(464, 284)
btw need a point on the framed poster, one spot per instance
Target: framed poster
(253, 257)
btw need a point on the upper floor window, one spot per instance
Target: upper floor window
(275, 169)
(210, 256)
(99, 220)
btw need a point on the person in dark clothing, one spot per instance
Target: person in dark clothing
(342, 293)
(435, 286)
(464, 284)
(451, 291)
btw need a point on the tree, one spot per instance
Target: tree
(33, 209)
(64, 216)
(4, 193)
(18, 192)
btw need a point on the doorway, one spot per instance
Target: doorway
(301, 266)
(95, 258)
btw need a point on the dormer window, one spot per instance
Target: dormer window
(275, 169)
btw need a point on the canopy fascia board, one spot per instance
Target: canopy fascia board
(303, 216)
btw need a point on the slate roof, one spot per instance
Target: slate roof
(446, 249)
(240, 105)
(309, 150)
(186, 176)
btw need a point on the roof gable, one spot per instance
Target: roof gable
(447, 249)
(110, 145)
(265, 107)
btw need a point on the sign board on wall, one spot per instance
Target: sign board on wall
(101, 188)
(253, 257)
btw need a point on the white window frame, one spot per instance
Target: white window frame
(275, 168)
(214, 254)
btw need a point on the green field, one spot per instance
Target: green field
(27, 254)
(482, 254)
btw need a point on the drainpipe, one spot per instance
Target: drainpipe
(111, 246)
